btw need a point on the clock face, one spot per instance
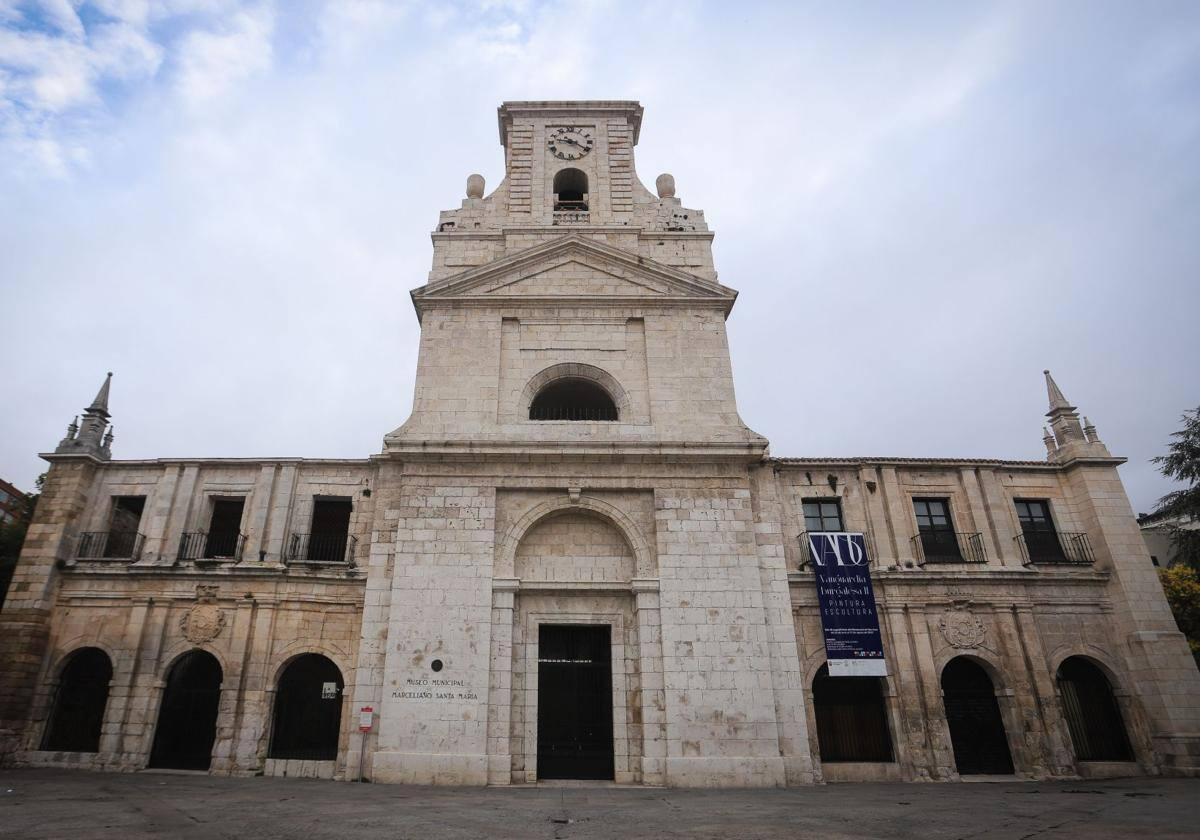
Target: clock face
(570, 142)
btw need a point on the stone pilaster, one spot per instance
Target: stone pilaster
(500, 687)
(654, 717)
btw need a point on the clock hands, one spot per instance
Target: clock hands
(561, 138)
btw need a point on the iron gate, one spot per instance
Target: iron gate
(187, 719)
(575, 710)
(973, 715)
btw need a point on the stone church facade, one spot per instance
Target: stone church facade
(574, 560)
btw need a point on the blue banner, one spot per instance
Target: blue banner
(853, 643)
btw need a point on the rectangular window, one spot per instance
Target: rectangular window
(225, 528)
(823, 515)
(330, 529)
(1037, 529)
(936, 530)
(123, 525)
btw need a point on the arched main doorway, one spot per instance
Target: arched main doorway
(976, 729)
(187, 718)
(1093, 716)
(77, 715)
(851, 718)
(308, 710)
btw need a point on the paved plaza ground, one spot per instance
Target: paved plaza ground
(80, 805)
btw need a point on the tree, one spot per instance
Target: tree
(12, 538)
(1180, 509)
(1182, 587)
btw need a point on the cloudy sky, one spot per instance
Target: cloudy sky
(922, 205)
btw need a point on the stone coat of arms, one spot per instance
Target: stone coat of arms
(962, 628)
(204, 621)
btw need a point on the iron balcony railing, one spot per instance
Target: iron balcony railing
(573, 412)
(109, 545)
(321, 549)
(949, 547)
(200, 546)
(1069, 548)
(806, 549)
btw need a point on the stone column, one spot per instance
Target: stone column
(255, 706)
(25, 619)
(224, 754)
(941, 748)
(1057, 739)
(914, 749)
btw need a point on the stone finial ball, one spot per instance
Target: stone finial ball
(475, 186)
(666, 185)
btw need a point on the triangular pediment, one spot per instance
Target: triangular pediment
(573, 267)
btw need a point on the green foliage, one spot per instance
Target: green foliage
(12, 538)
(1182, 587)
(1182, 463)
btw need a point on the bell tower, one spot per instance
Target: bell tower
(572, 305)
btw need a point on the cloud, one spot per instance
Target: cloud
(212, 62)
(227, 203)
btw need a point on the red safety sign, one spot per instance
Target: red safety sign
(366, 716)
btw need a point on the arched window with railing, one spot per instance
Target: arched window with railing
(573, 398)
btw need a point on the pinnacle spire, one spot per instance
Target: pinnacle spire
(88, 437)
(100, 404)
(1057, 401)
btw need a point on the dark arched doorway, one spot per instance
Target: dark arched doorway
(187, 718)
(77, 715)
(1093, 717)
(308, 710)
(851, 718)
(976, 729)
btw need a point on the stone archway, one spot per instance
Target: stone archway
(307, 711)
(977, 732)
(187, 715)
(1094, 720)
(80, 700)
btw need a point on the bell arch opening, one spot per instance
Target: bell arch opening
(851, 715)
(77, 715)
(308, 710)
(1094, 719)
(570, 190)
(573, 398)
